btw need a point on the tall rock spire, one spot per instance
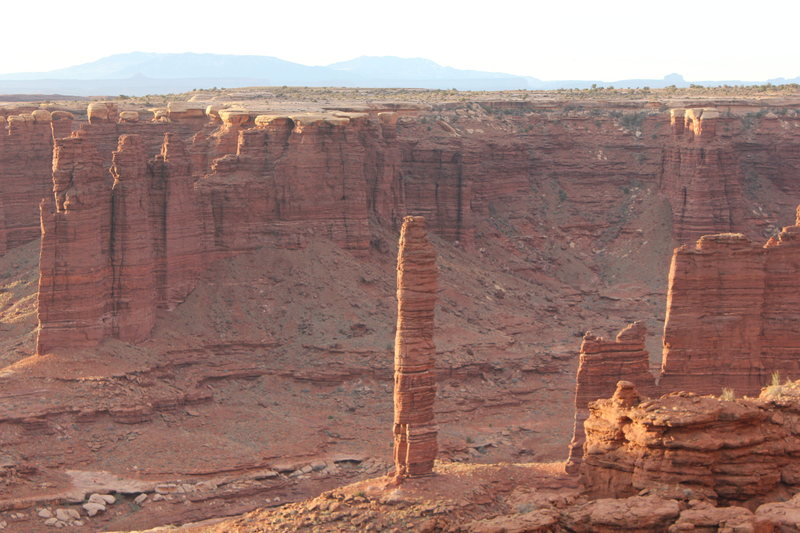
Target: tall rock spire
(74, 266)
(133, 294)
(415, 430)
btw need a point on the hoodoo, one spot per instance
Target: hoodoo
(601, 362)
(415, 430)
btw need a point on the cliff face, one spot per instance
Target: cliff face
(180, 233)
(735, 452)
(26, 155)
(74, 264)
(732, 316)
(292, 177)
(133, 292)
(700, 175)
(106, 124)
(533, 182)
(111, 255)
(712, 165)
(726, 169)
(721, 280)
(285, 179)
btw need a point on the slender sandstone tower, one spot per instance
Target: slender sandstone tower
(415, 431)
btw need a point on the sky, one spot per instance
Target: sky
(554, 39)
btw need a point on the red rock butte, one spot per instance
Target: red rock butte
(733, 313)
(600, 363)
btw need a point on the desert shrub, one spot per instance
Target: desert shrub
(727, 395)
(775, 390)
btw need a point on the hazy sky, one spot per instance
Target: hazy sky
(555, 39)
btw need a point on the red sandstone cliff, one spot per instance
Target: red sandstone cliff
(713, 169)
(74, 264)
(720, 169)
(700, 175)
(732, 314)
(26, 155)
(133, 292)
(106, 124)
(180, 231)
(277, 179)
(586, 158)
(112, 254)
(292, 177)
(715, 303)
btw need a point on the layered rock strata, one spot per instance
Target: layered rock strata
(133, 293)
(699, 174)
(180, 231)
(290, 177)
(106, 124)
(601, 363)
(74, 262)
(733, 315)
(733, 321)
(278, 180)
(686, 446)
(112, 254)
(26, 154)
(415, 431)
(715, 304)
(713, 165)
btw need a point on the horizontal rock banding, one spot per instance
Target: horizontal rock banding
(74, 264)
(699, 175)
(601, 364)
(685, 446)
(108, 251)
(415, 430)
(733, 314)
(733, 321)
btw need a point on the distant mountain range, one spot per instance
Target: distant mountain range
(140, 73)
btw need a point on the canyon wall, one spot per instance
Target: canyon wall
(721, 174)
(733, 316)
(699, 174)
(26, 155)
(248, 179)
(74, 263)
(284, 180)
(289, 178)
(721, 169)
